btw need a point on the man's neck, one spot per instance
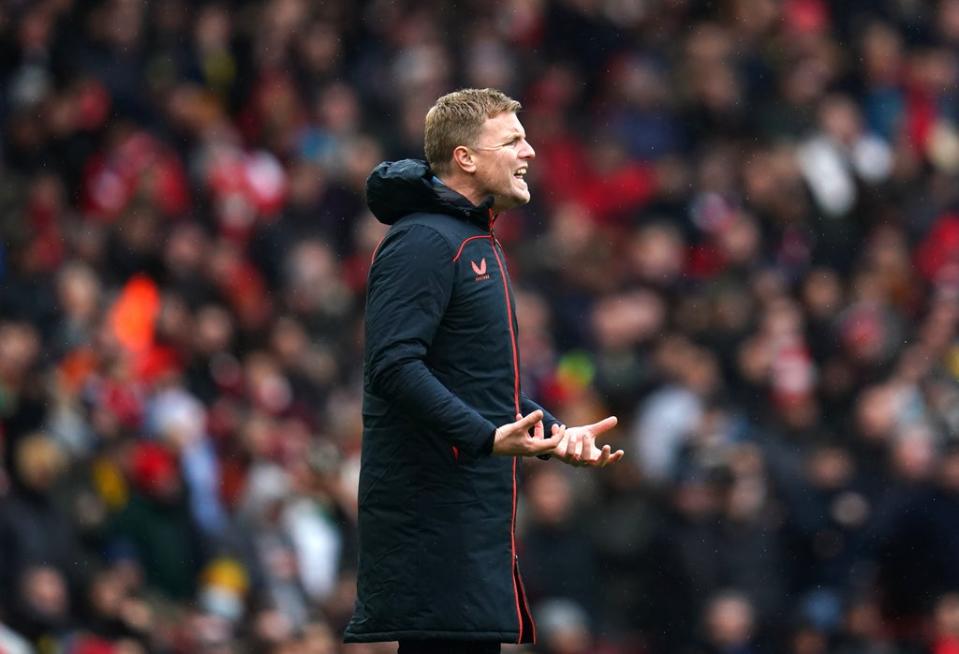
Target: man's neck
(463, 186)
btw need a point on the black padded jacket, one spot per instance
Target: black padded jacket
(437, 512)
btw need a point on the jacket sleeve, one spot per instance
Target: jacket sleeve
(527, 406)
(410, 285)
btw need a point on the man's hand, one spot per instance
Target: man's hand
(514, 439)
(577, 445)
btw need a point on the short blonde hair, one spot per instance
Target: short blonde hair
(456, 118)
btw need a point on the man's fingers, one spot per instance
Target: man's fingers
(578, 449)
(545, 445)
(589, 448)
(603, 425)
(539, 430)
(616, 456)
(604, 456)
(563, 444)
(525, 423)
(586, 453)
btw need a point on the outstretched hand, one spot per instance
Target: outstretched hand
(577, 445)
(514, 439)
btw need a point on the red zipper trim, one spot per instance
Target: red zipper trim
(459, 252)
(522, 588)
(377, 249)
(512, 560)
(509, 316)
(514, 572)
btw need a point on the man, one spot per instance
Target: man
(444, 417)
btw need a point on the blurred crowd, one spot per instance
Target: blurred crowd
(743, 241)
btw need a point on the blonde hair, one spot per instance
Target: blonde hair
(456, 118)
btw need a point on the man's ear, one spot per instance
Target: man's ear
(463, 159)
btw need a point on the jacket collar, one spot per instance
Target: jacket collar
(398, 188)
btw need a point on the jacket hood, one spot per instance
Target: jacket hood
(398, 188)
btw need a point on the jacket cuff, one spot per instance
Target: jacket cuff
(487, 449)
(481, 444)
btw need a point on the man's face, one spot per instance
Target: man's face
(502, 155)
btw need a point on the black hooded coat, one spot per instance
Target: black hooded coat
(437, 512)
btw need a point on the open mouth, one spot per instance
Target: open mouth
(520, 174)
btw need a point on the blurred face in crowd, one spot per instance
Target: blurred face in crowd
(500, 160)
(729, 620)
(45, 591)
(947, 615)
(39, 462)
(550, 497)
(949, 472)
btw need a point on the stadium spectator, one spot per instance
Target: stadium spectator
(742, 240)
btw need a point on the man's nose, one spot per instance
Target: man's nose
(528, 152)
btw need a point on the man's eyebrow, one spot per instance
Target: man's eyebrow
(505, 140)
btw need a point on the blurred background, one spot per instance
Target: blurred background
(744, 242)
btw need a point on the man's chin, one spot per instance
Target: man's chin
(504, 202)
